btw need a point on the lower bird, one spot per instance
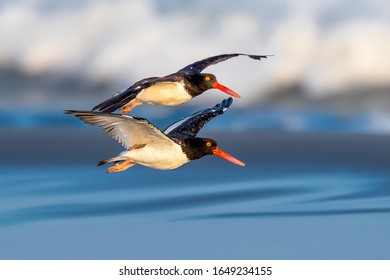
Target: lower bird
(149, 146)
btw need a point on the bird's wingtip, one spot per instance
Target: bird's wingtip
(69, 112)
(225, 103)
(75, 112)
(228, 101)
(259, 57)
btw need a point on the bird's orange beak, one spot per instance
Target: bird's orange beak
(218, 152)
(225, 89)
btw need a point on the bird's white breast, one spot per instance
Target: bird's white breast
(166, 94)
(153, 156)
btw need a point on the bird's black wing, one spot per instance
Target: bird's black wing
(200, 65)
(190, 126)
(122, 98)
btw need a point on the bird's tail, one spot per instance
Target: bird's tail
(114, 159)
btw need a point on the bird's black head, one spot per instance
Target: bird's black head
(200, 82)
(197, 147)
(208, 80)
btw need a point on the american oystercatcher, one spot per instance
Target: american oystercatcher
(171, 90)
(147, 145)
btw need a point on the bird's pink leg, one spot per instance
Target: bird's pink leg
(130, 106)
(118, 167)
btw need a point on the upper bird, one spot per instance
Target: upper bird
(171, 90)
(147, 145)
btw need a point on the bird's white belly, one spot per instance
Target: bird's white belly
(153, 157)
(166, 94)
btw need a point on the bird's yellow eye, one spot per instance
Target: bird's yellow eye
(207, 78)
(208, 144)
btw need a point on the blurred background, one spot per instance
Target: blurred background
(312, 126)
(330, 72)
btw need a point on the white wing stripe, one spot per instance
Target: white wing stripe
(175, 125)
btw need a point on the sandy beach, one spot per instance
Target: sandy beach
(300, 196)
(42, 146)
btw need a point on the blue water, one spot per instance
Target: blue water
(266, 119)
(208, 209)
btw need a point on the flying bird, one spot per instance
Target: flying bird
(147, 145)
(171, 90)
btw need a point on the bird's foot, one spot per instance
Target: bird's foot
(130, 106)
(118, 167)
